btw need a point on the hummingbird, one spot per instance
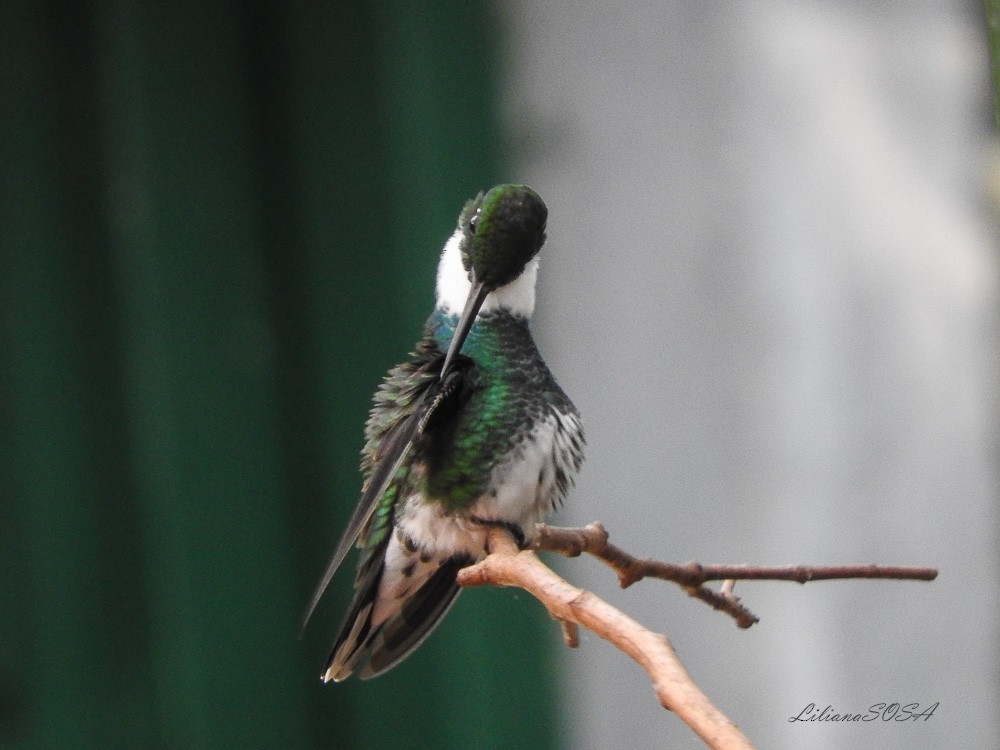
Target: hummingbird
(472, 432)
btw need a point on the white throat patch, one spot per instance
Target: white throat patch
(517, 297)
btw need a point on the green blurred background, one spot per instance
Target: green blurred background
(219, 224)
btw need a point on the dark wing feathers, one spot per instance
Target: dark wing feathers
(383, 472)
(410, 396)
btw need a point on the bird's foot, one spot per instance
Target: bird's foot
(516, 531)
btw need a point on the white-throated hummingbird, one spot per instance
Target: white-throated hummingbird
(472, 432)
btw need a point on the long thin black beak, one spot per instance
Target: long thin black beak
(477, 295)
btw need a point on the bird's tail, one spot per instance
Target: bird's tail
(389, 641)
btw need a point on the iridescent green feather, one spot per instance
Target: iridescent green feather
(509, 388)
(393, 401)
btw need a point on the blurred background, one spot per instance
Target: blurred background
(770, 286)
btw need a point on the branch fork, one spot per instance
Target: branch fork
(507, 565)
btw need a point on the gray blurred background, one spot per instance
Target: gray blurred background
(771, 287)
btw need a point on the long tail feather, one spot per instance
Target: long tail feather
(388, 643)
(420, 615)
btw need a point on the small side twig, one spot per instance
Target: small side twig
(692, 577)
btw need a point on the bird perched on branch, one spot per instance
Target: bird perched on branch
(472, 432)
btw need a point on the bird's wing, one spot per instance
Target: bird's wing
(394, 447)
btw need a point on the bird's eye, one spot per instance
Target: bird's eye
(473, 221)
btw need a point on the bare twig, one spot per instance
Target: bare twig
(506, 565)
(692, 577)
(571, 634)
(676, 691)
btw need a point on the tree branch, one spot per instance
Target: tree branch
(507, 565)
(692, 577)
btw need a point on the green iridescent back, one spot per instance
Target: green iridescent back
(505, 392)
(510, 388)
